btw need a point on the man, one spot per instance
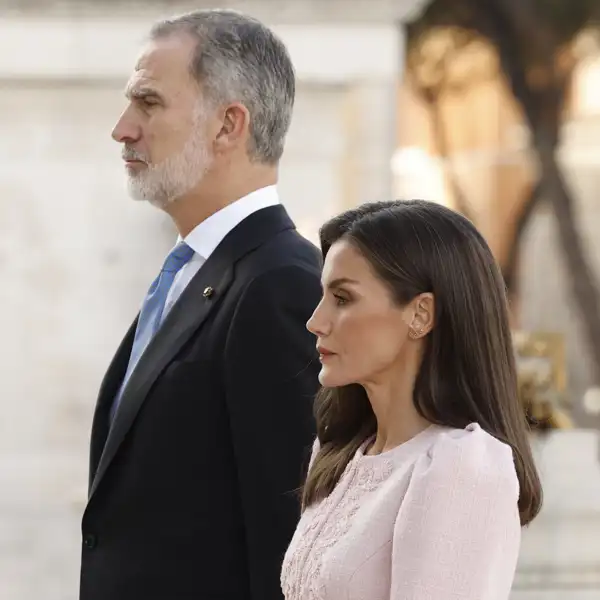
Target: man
(204, 418)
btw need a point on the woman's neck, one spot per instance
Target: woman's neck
(397, 418)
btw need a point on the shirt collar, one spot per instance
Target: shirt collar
(206, 236)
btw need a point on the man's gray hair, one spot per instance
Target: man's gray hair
(238, 59)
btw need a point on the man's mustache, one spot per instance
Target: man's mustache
(131, 154)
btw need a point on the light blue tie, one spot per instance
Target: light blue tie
(152, 309)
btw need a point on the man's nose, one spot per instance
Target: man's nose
(126, 130)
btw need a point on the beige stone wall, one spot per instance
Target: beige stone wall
(281, 11)
(76, 258)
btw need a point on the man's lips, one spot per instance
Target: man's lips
(134, 164)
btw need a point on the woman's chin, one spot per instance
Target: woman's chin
(329, 379)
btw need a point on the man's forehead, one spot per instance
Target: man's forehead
(161, 62)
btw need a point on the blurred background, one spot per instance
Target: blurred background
(492, 108)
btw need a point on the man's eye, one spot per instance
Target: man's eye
(146, 101)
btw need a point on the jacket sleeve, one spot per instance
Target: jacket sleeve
(271, 377)
(458, 531)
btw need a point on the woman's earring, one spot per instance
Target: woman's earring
(414, 334)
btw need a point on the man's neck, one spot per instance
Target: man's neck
(191, 210)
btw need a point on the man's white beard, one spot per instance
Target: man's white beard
(165, 182)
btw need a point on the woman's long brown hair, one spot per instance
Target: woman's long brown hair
(468, 372)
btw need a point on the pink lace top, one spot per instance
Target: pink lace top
(433, 519)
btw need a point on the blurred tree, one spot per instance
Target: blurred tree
(534, 41)
(429, 71)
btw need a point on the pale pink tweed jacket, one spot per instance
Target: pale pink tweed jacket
(433, 519)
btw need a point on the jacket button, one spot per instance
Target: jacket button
(90, 541)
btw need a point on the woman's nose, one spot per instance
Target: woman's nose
(317, 323)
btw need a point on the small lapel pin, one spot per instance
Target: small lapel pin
(208, 292)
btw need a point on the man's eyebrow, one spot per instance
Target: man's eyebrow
(141, 92)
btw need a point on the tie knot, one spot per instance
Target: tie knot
(178, 257)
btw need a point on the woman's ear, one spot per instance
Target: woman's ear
(423, 319)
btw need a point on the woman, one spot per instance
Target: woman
(421, 475)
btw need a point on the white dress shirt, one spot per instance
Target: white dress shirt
(206, 236)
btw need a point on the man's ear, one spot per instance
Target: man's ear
(235, 125)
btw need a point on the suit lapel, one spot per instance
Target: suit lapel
(184, 319)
